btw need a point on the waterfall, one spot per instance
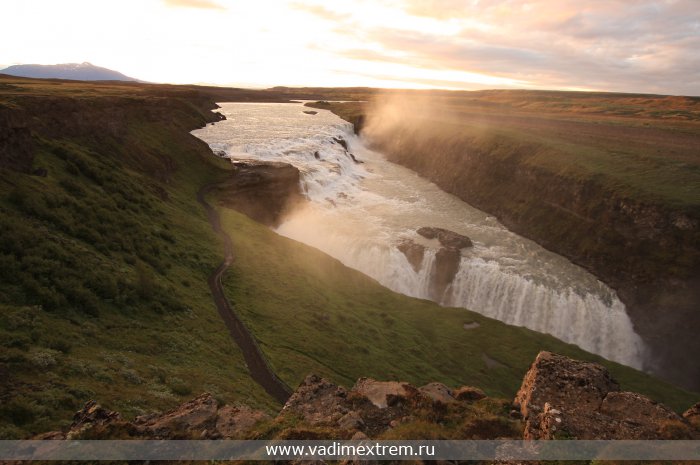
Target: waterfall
(361, 209)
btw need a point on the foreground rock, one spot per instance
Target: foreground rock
(562, 398)
(200, 418)
(692, 416)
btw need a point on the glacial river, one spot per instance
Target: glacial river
(360, 212)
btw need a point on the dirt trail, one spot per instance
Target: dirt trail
(258, 366)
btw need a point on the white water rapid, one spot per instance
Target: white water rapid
(359, 213)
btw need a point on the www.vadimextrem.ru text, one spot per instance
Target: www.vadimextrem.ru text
(337, 449)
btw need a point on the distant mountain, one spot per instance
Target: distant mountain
(76, 71)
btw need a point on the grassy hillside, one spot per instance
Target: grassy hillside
(103, 263)
(313, 314)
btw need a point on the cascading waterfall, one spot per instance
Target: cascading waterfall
(360, 212)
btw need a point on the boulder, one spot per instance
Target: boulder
(318, 401)
(468, 393)
(383, 393)
(351, 421)
(565, 398)
(187, 421)
(437, 392)
(93, 413)
(93, 420)
(692, 416)
(447, 238)
(310, 112)
(341, 141)
(233, 421)
(413, 252)
(370, 406)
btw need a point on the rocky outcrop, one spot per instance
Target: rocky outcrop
(264, 191)
(342, 142)
(318, 401)
(560, 398)
(447, 238)
(383, 393)
(370, 407)
(692, 416)
(445, 268)
(469, 393)
(565, 398)
(373, 407)
(200, 418)
(447, 259)
(196, 416)
(438, 392)
(414, 253)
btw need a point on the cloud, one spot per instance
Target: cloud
(318, 11)
(201, 4)
(641, 46)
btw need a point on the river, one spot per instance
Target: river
(360, 212)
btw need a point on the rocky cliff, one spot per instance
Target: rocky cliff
(560, 398)
(262, 191)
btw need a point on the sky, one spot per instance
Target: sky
(650, 46)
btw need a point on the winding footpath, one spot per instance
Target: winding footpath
(259, 369)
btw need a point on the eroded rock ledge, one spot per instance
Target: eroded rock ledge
(264, 191)
(560, 398)
(565, 398)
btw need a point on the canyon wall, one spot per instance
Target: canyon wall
(648, 251)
